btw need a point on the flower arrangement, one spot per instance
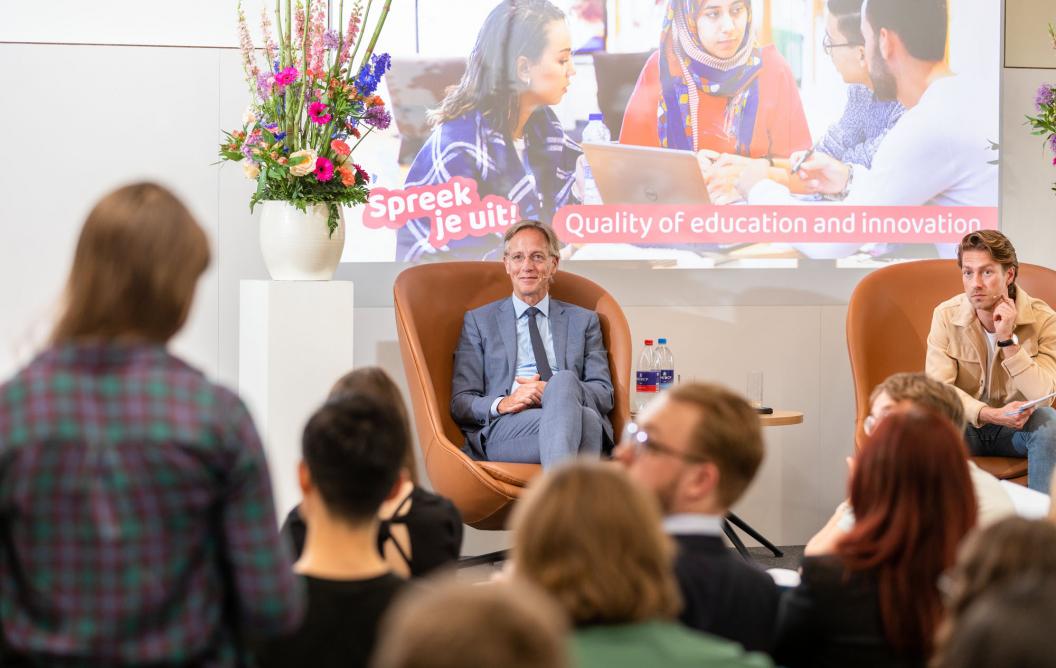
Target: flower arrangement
(310, 102)
(1044, 124)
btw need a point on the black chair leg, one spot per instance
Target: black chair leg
(736, 540)
(746, 528)
(482, 559)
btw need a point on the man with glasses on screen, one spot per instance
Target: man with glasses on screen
(697, 448)
(938, 153)
(531, 376)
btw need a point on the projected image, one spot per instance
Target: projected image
(731, 132)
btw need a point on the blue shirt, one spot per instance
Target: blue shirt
(525, 355)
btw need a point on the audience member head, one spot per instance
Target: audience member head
(373, 381)
(898, 35)
(916, 389)
(602, 566)
(137, 262)
(454, 624)
(989, 267)
(993, 557)
(530, 253)
(844, 41)
(913, 503)
(522, 56)
(696, 447)
(1006, 626)
(353, 448)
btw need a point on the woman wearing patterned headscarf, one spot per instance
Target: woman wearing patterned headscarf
(711, 87)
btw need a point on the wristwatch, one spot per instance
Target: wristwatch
(1014, 341)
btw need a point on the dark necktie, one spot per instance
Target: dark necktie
(542, 365)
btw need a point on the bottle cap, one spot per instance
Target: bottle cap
(648, 342)
(596, 117)
(662, 342)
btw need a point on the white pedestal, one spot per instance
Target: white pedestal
(294, 341)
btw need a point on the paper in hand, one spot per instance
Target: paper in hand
(1031, 404)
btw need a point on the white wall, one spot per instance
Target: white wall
(80, 119)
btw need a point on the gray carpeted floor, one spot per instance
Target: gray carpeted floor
(793, 555)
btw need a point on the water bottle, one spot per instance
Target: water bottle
(646, 377)
(596, 132)
(665, 365)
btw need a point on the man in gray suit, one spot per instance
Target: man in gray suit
(531, 376)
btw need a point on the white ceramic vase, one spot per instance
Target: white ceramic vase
(297, 246)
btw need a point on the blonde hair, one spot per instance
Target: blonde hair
(919, 389)
(553, 244)
(134, 273)
(440, 627)
(592, 539)
(728, 432)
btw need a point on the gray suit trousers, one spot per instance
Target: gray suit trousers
(564, 427)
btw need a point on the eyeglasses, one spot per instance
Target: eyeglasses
(869, 426)
(518, 259)
(828, 45)
(638, 439)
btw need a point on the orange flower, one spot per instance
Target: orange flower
(341, 149)
(348, 176)
(376, 101)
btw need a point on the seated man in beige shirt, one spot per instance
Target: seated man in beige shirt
(996, 346)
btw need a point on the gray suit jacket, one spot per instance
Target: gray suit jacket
(486, 360)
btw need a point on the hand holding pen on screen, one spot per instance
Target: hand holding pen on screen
(821, 173)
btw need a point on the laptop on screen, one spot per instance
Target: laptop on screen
(628, 174)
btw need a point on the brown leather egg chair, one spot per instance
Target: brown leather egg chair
(430, 301)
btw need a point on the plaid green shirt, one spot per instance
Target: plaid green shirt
(136, 518)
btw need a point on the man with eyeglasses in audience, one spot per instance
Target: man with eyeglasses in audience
(531, 376)
(697, 447)
(994, 500)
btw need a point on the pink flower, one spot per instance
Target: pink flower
(317, 112)
(286, 77)
(324, 169)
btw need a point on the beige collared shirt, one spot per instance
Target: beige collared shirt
(957, 354)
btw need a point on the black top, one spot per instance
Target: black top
(340, 625)
(725, 595)
(833, 619)
(434, 527)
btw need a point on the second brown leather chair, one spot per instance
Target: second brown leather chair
(430, 302)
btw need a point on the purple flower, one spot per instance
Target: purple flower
(330, 39)
(378, 117)
(1045, 98)
(265, 81)
(1052, 143)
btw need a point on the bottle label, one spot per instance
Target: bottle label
(647, 381)
(666, 378)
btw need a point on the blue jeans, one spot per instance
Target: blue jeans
(1036, 441)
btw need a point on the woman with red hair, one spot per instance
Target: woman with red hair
(875, 601)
